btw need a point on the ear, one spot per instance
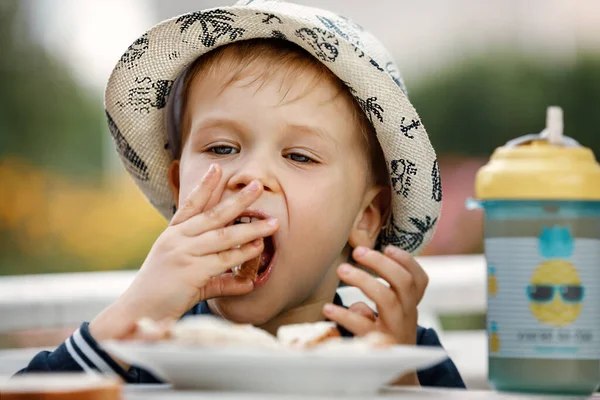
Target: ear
(374, 212)
(174, 179)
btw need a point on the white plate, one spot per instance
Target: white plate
(282, 371)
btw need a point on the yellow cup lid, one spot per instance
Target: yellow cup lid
(547, 166)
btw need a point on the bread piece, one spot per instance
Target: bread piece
(249, 269)
(148, 330)
(209, 331)
(364, 344)
(307, 335)
(61, 386)
(378, 340)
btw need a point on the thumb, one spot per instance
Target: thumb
(225, 285)
(363, 309)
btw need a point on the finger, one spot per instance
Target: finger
(361, 308)
(355, 323)
(224, 212)
(388, 304)
(199, 196)
(406, 260)
(221, 262)
(222, 239)
(400, 280)
(225, 285)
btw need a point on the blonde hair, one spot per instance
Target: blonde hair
(282, 55)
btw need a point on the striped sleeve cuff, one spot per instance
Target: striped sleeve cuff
(90, 356)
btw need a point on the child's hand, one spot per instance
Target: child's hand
(189, 260)
(396, 304)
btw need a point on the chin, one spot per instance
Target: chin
(244, 310)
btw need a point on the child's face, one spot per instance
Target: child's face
(307, 151)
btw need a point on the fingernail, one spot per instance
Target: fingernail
(210, 172)
(345, 269)
(253, 186)
(391, 250)
(328, 308)
(361, 251)
(272, 221)
(257, 243)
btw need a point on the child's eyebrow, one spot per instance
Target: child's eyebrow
(213, 122)
(240, 127)
(312, 130)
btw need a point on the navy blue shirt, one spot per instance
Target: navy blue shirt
(81, 352)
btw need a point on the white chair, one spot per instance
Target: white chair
(52, 301)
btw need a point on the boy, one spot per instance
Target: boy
(277, 131)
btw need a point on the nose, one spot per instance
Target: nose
(255, 169)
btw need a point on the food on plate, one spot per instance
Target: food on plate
(307, 335)
(370, 341)
(378, 340)
(61, 386)
(148, 330)
(210, 331)
(205, 330)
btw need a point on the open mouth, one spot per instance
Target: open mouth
(258, 268)
(266, 256)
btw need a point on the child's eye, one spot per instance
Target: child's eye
(223, 150)
(301, 158)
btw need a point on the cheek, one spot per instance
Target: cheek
(191, 171)
(318, 202)
(321, 215)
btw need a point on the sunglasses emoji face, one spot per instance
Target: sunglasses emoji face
(555, 293)
(547, 293)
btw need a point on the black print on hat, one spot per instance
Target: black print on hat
(409, 241)
(343, 28)
(436, 193)
(402, 173)
(269, 18)
(324, 43)
(375, 64)
(135, 52)
(350, 31)
(146, 94)
(135, 165)
(214, 23)
(278, 35)
(407, 127)
(369, 106)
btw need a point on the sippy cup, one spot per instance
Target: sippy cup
(541, 199)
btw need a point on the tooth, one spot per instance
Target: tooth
(254, 219)
(245, 220)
